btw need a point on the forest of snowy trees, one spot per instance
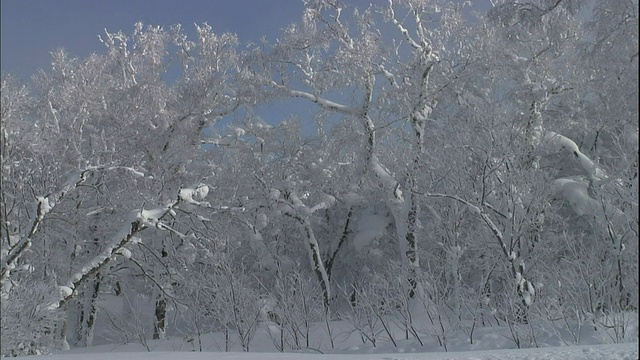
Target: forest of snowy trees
(473, 170)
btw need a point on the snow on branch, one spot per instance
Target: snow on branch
(322, 102)
(44, 206)
(256, 241)
(576, 193)
(295, 206)
(129, 169)
(526, 290)
(138, 221)
(386, 179)
(326, 204)
(124, 237)
(389, 76)
(595, 173)
(402, 29)
(196, 195)
(300, 212)
(575, 190)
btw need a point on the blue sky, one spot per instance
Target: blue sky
(33, 28)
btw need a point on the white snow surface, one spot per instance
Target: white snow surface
(590, 167)
(576, 194)
(628, 351)
(490, 343)
(195, 195)
(371, 226)
(126, 253)
(65, 290)
(353, 199)
(262, 220)
(46, 205)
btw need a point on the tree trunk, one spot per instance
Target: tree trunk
(159, 323)
(413, 258)
(160, 314)
(315, 256)
(93, 310)
(62, 326)
(317, 263)
(79, 338)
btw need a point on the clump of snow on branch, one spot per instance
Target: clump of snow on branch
(274, 194)
(526, 289)
(195, 195)
(126, 253)
(592, 169)
(152, 217)
(256, 241)
(128, 169)
(328, 202)
(261, 222)
(575, 190)
(45, 205)
(386, 179)
(65, 291)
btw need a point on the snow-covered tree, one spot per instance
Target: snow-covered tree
(492, 158)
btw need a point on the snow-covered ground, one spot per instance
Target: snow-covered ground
(489, 342)
(592, 352)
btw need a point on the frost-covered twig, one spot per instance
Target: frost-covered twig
(526, 290)
(477, 210)
(45, 205)
(595, 173)
(156, 283)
